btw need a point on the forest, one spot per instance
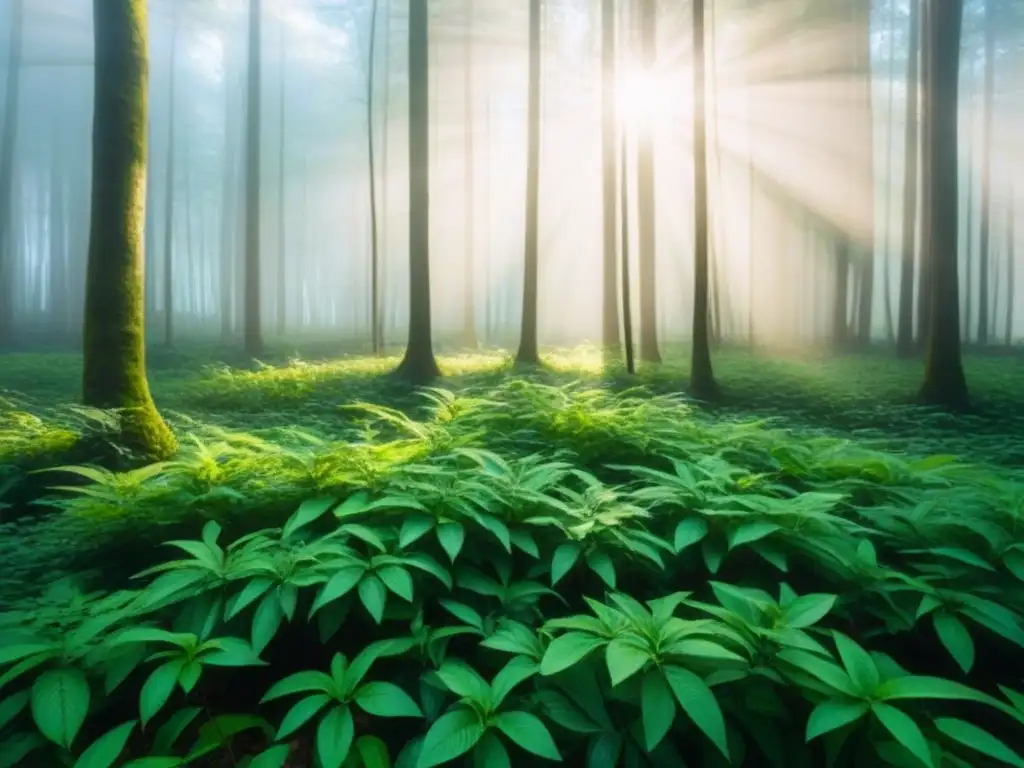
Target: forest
(415, 383)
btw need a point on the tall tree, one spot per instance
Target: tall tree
(114, 374)
(610, 295)
(251, 326)
(282, 191)
(1011, 273)
(645, 196)
(168, 282)
(371, 70)
(528, 346)
(12, 102)
(924, 279)
(984, 254)
(944, 380)
(702, 378)
(905, 316)
(418, 364)
(469, 231)
(862, 64)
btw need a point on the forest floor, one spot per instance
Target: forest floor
(258, 442)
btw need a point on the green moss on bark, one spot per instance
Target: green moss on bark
(115, 359)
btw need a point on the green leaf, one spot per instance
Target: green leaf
(499, 529)
(524, 541)
(232, 652)
(529, 732)
(490, 753)
(300, 714)
(561, 711)
(956, 638)
(60, 702)
(334, 737)
(386, 700)
(563, 560)
(658, 708)
(604, 749)
(397, 579)
(158, 688)
(414, 528)
(689, 532)
(713, 551)
(169, 732)
(308, 511)
(13, 653)
(339, 584)
(904, 730)
(107, 748)
(275, 757)
(307, 681)
(452, 735)
(16, 747)
(625, 658)
(748, 533)
(220, 730)
(250, 593)
(601, 564)
(927, 687)
(373, 752)
(265, 622)
(833, 714)
(567, 650)
(374, 596)
(517, 670)
(825, 671)
(462, 680)
(807, 611)
(699, 704)
(859, 664)
(973, 737)
(463, 613)
(189, 675)
(13, 706)
(451, 536)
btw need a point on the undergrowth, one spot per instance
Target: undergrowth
(510, 571)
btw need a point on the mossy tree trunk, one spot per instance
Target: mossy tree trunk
(12, 94)
(114, 349)
(944, 381)
(702, 378)
(418, 365)
(529, 352)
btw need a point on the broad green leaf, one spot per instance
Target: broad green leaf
(308, 511)
(604, 749)
(699, 704)
(232, 652)
(807, 611)
(973, 737)
(171, 731)
(374, 596)
(452, 735)
(904, 730)
(833, 714)
(524, 541)
(462, 680)
(561, 711)
(266, 622)
(107, 748)
(956, 638)
(300, 714)
(60, 702)
(567, 650)
(462, 612)
(372, 752)
(308, 681)
(414, 527)
(339, 584)
(529, 732)
(489, 752)
(563, 560)
(158, 688)
(16, 747)
(334, 737)
(748, 533)
(601, 563)
(275, 757)
(250, 593)
(517, 670)
(499, 529)
(713, 551)
(397, 579)
(13, 706)
(658, 708)
(218, 732)
(689, 532)
(822, 669)
(625, 658)
(189, 675)
(451, 536)
(13, 653)
(927, 687)
(858, 663)
(386, 700)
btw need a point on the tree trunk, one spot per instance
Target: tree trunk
(944, 381)
(627, 304)
(114, 374)
(866, 299)
(610, 295)
(1011, 275)
(58, 287)
(168, 283)
(905, 320)
(702, 379)
(418, 365)
(841, 299)
(371, 69)
(251, 327)
(646, 203)
(282, 262)
(12, 107)
(529, 352)
(924, 279)
(469, 232)
(890, 329)
(984, 253)
(228, 218)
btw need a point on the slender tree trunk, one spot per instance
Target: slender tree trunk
(967, 326)
(985, 255)
(529, 352)
(905, 320)
(646, 203)
(702, 379)
(610, 297)
(1011, 275)
(168, 282)
(58, 303)
(114, 374)
(251, 329)
(925, 257)
(841, 301)
(627, 303)
(12, 107)
(418, 365)
(382, 271)
(866, 283)
(371, 69)
(228, 218)
(469, 232)
(282, 192)
(890, 329)
(944, 382)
